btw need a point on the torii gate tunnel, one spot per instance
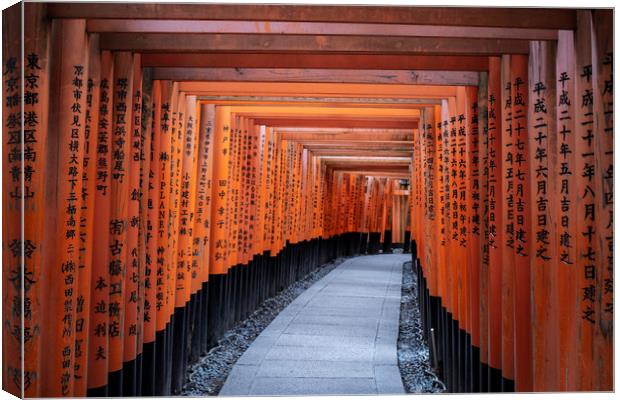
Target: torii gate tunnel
(167, 167)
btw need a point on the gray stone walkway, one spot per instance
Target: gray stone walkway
(338, 337)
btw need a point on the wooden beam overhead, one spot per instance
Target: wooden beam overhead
(336, 123)
(365, 166)
(352, 144)
(357, 145)
(453, 78)
(553, 18)
(378, 174)
(316, 89)
(340, 131)
(361, 153)
(307, 60)
(313, 28)
(320, 101)
(195, 42)
(366, 137)
(294, 111)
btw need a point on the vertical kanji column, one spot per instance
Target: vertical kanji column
(100, 276)
(495, 193)
(602, 60)
(565, 209)
(120, 175)
(508, 225)
(522, 229)
(541, 157)
(131, 305)
(87, 217)
(587, 261)
(13, 197)
(219, 234)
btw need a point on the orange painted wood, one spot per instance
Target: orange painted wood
(543, 254)
(87, 218)
(460, 208)
(163, 133)
(442, 126)
(178, 128)
(455, 266)
(12, 259)
(221, 157)
(588, 259)
(68, 80)
(153, 271)
(119, 223)
(35, 130)
(602, 62)
(508, 219)
(474, 211)
(523, 226)
(98, 344)
(565, 206)
(187, 205)
(146, 221)
(132, 308)
(483, 191)
(316, 89)
(204, 196)
(236, 256)
(495, 218)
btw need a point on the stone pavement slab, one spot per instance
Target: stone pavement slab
(338, 337)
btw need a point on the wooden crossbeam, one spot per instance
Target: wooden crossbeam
(451, 16)
(377, 174)
(312, 28)
(320, 101)
(308, 60)
(343, 137)
(454, 78)
(361, 153)
(340, 131)
(196, 42)
(327, 113)
(367, 167)
(336, 123)
(303, 89)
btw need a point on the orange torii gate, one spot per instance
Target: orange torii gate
(160, 209)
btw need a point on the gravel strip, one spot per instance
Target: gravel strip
(208, 375)
(413, 355)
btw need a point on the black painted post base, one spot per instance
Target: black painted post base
(387, 242)
(457, 360)
(407, 242)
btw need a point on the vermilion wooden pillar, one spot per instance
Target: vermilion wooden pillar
(65, 152)
(602, 61)
(87, 216)
(98, 346)
(495, 220)
(523, 228)
(12, 259)
(543, 194)
(507, 197)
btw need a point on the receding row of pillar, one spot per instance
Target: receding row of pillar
(512, 220)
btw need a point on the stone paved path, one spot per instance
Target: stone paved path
(338, 337)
